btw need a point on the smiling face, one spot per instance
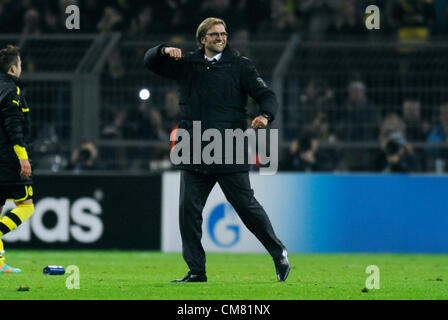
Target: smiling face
(214, 41)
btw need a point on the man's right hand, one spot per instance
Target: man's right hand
(174, 53)
(25, 171)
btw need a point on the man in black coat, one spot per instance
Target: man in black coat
(15, 167)
(215, 82)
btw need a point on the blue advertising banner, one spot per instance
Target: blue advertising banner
(359, 213)
(327, 213)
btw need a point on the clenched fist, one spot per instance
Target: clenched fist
(174, 53)
(260, 122)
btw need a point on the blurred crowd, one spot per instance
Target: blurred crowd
(326, 112)
(322, 135)
(402, 141)
(314, 19)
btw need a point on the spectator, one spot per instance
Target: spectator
(51, 21)
(321, 128)
(146, 123)
(156, 123)
(177, 16)
(116, 65)
(254, 12)
(53, 15)
(85, 158)
(316, 104)
(414, 20)
(12, 15)
(240, 41)
(170, 112)
(31, 22)
(439, 132)
(393, 127)
(304, 155)
(398, 157)
(280, 24)
(315, 17)
(416, 128)
(111, 21)
(302, 152)
(144, 23)
(114, 127)
(359, 119)
(347, 21)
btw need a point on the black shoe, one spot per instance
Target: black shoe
(282, 267)
(192, 278)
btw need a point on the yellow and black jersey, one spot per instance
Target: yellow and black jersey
(14, 130)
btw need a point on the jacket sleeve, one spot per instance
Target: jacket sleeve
(12, 118)
(255, 86)
(162, 65)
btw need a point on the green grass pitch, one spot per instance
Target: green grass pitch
(147, 275)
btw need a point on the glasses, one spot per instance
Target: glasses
(216, 34)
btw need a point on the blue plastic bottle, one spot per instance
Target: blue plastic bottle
(54, 270)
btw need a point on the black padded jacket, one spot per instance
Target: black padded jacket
(14, 129)
(215, 94)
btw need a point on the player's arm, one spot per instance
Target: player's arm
(165, 61)
(12, 118)
(255, 86)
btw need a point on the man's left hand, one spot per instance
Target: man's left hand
(260, 122)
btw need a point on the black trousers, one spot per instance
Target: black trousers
(194, 191)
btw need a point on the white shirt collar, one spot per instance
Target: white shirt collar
(217, 57)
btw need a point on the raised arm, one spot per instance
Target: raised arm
(165, 61)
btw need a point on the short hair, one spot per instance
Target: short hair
(357, 85)
(205, 26)
(9, 57)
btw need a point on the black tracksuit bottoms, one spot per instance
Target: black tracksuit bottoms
(194, 190)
